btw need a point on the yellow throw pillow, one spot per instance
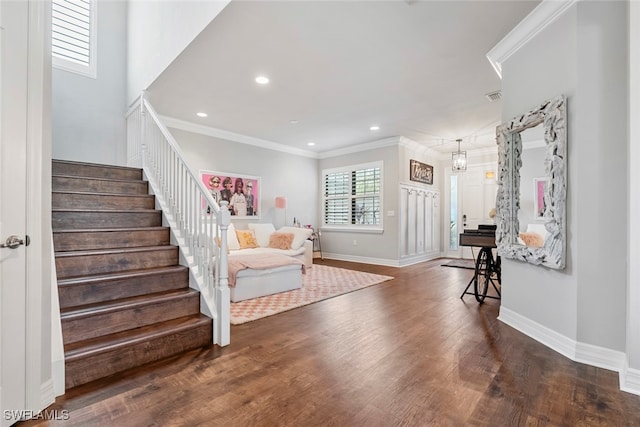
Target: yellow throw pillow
(280, 240)
(247, 239)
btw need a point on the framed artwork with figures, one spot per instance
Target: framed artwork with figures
(241, 191)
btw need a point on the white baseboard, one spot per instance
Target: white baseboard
(47, 393)
(550, 338)
(58, 371)
(364, 260)
(630, 380)
(410, 260)
(600, 357)
(383, 261)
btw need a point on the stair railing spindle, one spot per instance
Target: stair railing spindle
(184, 199)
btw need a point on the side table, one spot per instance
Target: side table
(315, 238)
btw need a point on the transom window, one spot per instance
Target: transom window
(352, 196)
(73, 36)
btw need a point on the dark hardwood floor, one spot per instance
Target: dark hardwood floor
(406, 352)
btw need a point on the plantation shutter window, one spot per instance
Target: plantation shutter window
(352, 196)
(73, 36)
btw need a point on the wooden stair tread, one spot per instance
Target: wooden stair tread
(108, 230)
(115, 251)
(94, 178)
(124, 299)
(93, 193)
(98, 165)
(82, 280)
(124, 303)
(122, 339)
(137, 211)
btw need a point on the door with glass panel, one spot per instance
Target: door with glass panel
(471, 196)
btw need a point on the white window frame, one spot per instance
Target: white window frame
(90, 70)
(358, 228)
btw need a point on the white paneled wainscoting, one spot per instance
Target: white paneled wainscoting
(419, 217)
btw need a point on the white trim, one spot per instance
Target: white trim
(539, 18)
(600, 357)
(416, 259)
(362, 259)
(37, 77)
(632, 377)
(172, 122)
(384, 261)
(47, 393)
(630, 380)
(552, 339)
(416, 146)
(381, 143)
(592, 355)
(90, 70)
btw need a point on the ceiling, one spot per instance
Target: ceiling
(416, 69)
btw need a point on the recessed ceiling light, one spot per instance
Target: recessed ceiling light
(201, 114)
(374, 127)
(293, 122)
(262, 80)
(311, 144)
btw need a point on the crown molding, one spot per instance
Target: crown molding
(539, 18)
(235, 137)
(386, 142)
(416, 146)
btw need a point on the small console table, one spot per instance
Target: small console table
(487, 268)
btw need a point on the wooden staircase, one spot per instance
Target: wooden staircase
(124, 299)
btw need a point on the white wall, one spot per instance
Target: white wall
(369, 247)
(602, 126)
(581, 54)
(88, 114)
(158, 31)
(281, 174)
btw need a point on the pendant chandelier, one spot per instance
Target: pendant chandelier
(459, 159)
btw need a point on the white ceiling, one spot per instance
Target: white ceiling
(415, 68)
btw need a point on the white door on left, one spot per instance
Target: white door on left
(13, 128)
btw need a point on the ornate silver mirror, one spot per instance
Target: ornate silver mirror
(532, 186)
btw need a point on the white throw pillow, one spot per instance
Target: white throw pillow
(299, 235)
(263, 231)
(232, 239)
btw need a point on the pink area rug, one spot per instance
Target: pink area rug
(321, 282)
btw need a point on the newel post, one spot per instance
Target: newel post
(143, 126)
(222, 333)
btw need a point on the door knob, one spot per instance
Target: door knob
(13, 242)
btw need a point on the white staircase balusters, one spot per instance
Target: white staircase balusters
(200, 233)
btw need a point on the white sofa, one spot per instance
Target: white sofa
(251, 283)
(301, 247)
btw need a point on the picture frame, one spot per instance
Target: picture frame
(420, 172)
(539, 204)
(240, 190)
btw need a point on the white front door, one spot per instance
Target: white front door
(13, 204)
(470, 196)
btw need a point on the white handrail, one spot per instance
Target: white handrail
(196, 220)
